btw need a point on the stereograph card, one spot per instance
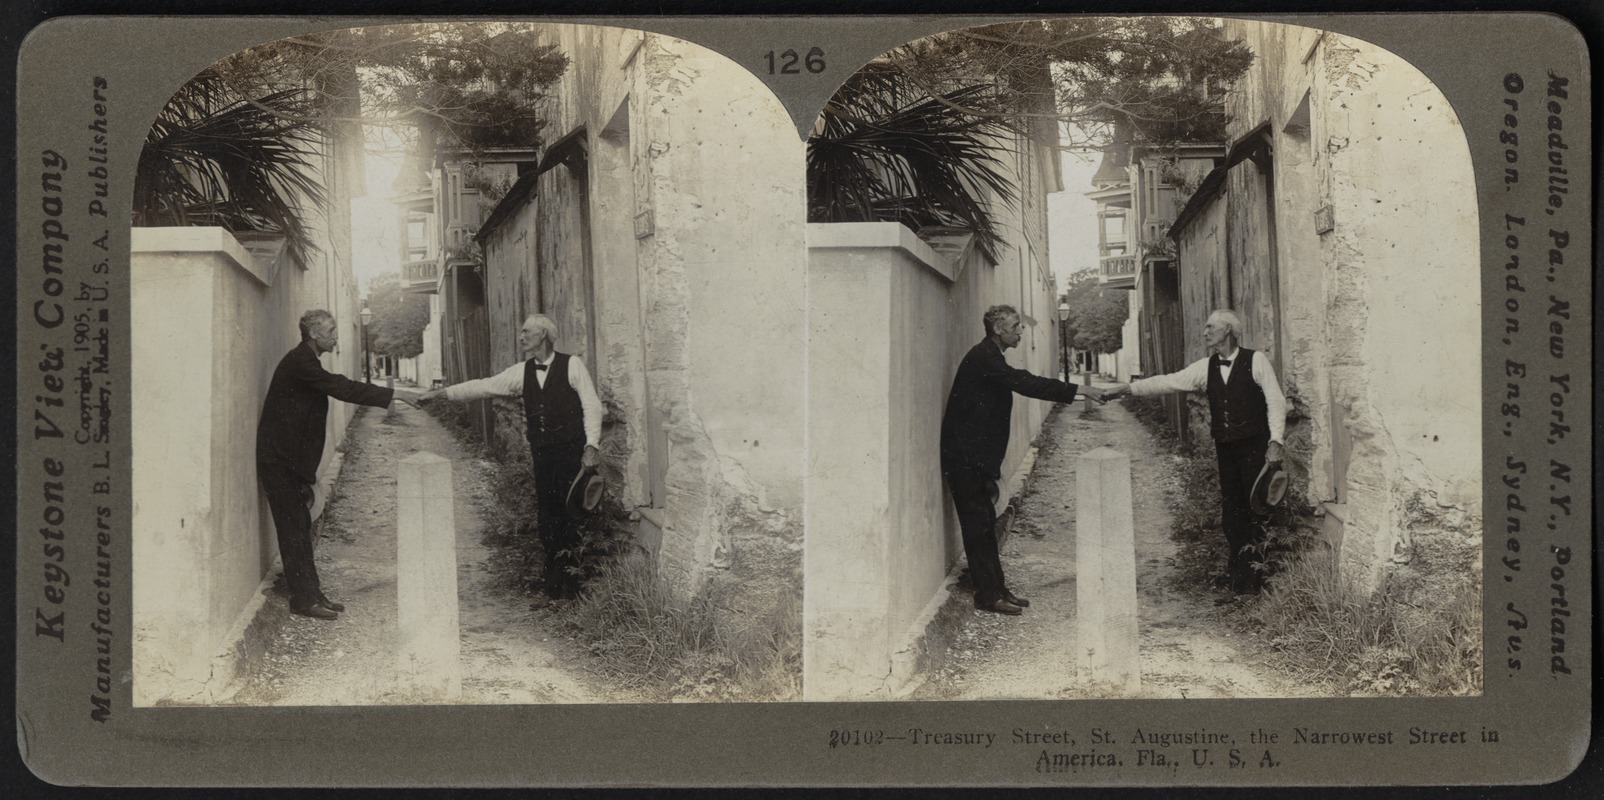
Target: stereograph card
(661, 401)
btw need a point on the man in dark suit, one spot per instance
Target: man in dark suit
(563, 417)
(1247, 419)
(289, 448)
(974, 439)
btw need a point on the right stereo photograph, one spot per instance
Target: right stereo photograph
(1144, 361)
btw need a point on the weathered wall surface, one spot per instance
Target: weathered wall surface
(203, 542)
(879, 536)
(1371, 292)
(674, 262)
(889, 321)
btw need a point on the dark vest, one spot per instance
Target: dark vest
(1236, 407)
(553, 414)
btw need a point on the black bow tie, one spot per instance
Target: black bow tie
(1225, 362)
(541, 367)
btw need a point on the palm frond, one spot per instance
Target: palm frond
(886, 151)
(212, 158)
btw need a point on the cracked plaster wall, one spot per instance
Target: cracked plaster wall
(889, 322)
(695, 209)
(1380, 316)
(203, 544)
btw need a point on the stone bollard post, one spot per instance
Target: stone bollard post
(426, 580)
(1105, 571)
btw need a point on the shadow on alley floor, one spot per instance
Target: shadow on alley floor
(1187, 649)
(509, 654)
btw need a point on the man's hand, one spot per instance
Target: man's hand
(1094, 393)
(592, 457)
(405, 396)
(1273, 454)
(431, 395)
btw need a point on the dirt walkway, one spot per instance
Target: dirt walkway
(1187, 650)
(508, 655)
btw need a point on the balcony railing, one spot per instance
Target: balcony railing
(420, 273)
(1118, 266)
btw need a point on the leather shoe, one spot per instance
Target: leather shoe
(1002, 607)
(333, 606)
(1009, 596)
(318, 611)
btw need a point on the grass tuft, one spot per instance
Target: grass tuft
(1380, 644)
(694, 647)
(725, 642)
(1419, 633)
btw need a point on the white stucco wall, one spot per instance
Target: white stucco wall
(890, 319)
(203, 537)
(1381, 315)
(696, 210)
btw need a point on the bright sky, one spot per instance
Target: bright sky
(375, 231)
(375, 235)
(1072, 217)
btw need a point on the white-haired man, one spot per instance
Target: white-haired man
(563, 416)
(1247, 418)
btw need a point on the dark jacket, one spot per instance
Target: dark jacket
(296, 410)
(974, 431)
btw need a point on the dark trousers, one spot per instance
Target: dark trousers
(972, 494)
(290, 499)
(555, 467)
(1240, 462)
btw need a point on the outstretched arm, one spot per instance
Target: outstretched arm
(1194, 378)
(997, 370)
(309, 371)
(507, 383)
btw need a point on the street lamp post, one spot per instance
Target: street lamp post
(367, 355)
(1063, 337)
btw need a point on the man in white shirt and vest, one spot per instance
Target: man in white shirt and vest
(563, 416)
(1247, 417)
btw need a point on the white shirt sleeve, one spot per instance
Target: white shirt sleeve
(1195, 378)
(1275, 403)
(507, 383)
(579, 378)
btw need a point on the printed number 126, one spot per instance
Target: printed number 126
(785, 63)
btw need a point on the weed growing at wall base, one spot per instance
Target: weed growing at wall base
(685, 647)
(725, 642)
(1419, 633)
(1375, 644)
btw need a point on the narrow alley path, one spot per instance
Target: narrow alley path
(508, 654)
(1187, 649)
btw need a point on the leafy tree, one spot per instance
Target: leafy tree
(1096, 315)
(1164, 76)
(239, 144)
(399, 317)
(468, 85)
(919, 135)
